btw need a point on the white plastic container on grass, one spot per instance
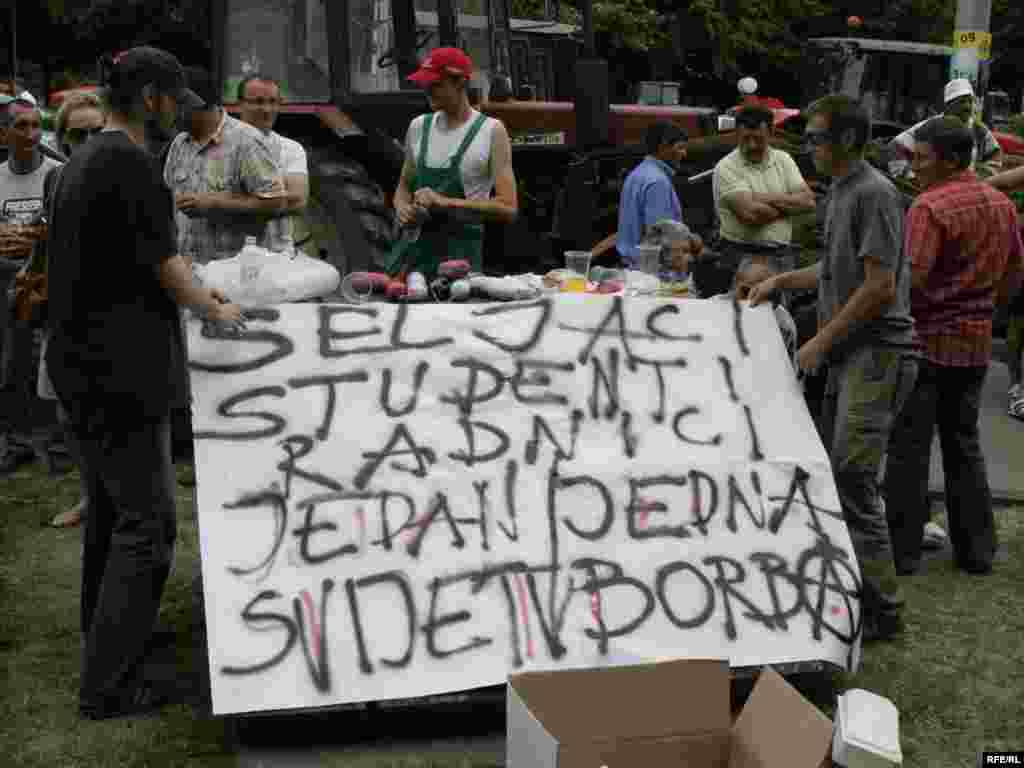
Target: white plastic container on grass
(867, 731)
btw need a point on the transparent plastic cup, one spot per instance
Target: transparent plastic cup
(577, 265)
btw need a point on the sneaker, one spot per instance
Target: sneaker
(934, 536)
(1016, 401)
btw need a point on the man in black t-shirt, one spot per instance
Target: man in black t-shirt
(115, 285)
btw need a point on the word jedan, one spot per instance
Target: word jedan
(403, 501)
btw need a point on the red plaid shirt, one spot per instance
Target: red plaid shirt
(962, 237)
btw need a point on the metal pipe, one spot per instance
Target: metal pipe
(14, 43)
(973, 20)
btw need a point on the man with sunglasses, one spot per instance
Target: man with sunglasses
(260, 97)
(865, 334)
(81, 116)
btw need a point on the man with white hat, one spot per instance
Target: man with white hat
(959, 101)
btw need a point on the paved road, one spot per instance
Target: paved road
(1003, 439)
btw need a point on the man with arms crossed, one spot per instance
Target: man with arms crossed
(757, 190)
(865, 334)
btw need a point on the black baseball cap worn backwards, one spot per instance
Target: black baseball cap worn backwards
(137, 67)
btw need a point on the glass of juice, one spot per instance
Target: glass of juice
(577, 266)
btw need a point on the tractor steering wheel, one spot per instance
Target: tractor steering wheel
(387, 59)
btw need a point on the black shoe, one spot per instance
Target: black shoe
(881, 627)
(147, 699)
(976, 569)
(907, 567)
(14, 457)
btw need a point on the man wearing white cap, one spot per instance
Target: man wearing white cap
(959, 100)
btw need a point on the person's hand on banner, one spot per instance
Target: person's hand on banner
(811, 355)
(229, 317)
(764, 291)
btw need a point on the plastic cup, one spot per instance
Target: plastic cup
(577, 264)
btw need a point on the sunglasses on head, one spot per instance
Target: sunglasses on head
(78, 135)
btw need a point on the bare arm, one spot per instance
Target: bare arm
(296, 186)
(804, 279)
(240, 202)
(751, 210)
(404, 206)
(792, 203)
(798, 280)
(1008, 181)
(176, 278)
(504, 206)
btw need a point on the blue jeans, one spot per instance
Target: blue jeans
(948, 398)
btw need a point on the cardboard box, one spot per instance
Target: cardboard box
(672, 714)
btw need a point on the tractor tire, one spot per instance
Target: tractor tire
(348, 222)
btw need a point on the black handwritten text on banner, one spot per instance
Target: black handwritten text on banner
(397, 501)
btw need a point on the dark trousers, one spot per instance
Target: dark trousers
(948, 398)
(129, 544)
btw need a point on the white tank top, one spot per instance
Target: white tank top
(476, 169)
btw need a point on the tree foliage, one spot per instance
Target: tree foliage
(741, 28)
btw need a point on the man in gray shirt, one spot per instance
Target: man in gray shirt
(865, 334)
(22, 225)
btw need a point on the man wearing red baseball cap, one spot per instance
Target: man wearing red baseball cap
(455, 158)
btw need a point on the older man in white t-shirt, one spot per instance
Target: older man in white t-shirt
(260, 100)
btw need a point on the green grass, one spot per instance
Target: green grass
(957, 677)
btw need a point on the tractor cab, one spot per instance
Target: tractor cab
(355, 55)
(342, 67)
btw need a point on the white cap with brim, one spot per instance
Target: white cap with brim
(957, 88)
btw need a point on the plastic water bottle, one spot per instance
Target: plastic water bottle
(250, 260)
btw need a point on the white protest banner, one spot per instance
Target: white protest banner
(398, 501)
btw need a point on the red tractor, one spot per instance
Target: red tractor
(343, 68)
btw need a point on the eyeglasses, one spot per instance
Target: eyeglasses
(816, 138)
(78, 135)
(271, 103)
